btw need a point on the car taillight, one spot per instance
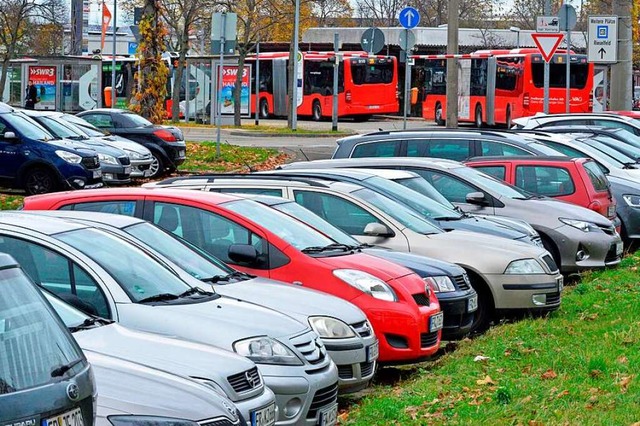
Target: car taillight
(347, 96)
(165, 135)
(526, 99)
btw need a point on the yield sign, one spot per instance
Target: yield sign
(547, 43)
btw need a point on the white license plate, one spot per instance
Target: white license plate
(472, 304)
(435, 322)
(97, 173)
(619, 248)
(611, 211)
(264, 417)
(328, 416)
(560, 283)
(372, 352)
(70, 418)
(127, 170)
(182, 153)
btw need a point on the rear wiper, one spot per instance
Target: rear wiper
(59, 371)
(334, 246)
(196, 290)
(162, 297)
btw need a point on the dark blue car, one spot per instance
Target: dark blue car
(31, 159)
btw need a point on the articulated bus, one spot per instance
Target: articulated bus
(367, 85)
(496, 86)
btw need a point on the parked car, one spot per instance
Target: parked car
(616, 133)
(343, 327)
(166, 143)
(32, 160)
(402, 309)
(232, 376)
(576, 237)
(45, 378)
(578, 181)
(114, 162)
(123, 282)
(540, 121)
(499, 269)
(439, 143)
(139, 156)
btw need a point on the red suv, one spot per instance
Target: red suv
(578, 181)
(404, 312)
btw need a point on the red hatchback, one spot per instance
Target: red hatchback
(578, 181)
(401, 307)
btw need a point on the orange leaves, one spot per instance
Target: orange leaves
(624, 382)
(486, 381)
(549, 375)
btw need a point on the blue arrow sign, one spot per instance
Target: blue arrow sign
(409, 17)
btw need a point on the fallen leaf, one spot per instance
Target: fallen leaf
(563, 393)
(535, 423)
(624, 382)
(623, 360)
(481, 358)
(595, 374)
(526, 399)
(549, 374)
(412, 412)
(486, 381)
(507, 353)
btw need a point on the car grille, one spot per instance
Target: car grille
(366, 368)
(551, 264)
(428, 339)
(345, 371)
(462, 281)
(313, 350)
(90, 162)
(245, 381)
(125, 161)
(218, 422)
(553, 298)
(610, 230)
(362, 328)
(421, 299)
(323, 398)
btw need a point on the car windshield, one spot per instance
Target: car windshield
(138, 120)
(419, 184)
(58, 129)
(297, 234)
(627, 149)
(399, 212)
(609, 151)
(491, 183)
(33, 341)
(628, 137)
(83, 125)
(177, 251)
(544, 149)
(27, 127)
(139, 275)
(415, 200)
(296, 211)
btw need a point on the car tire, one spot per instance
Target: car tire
(316, 111)
(438, 115)
(264, 108)
(40, 180)
(550, 246)
(486, 306)
(157, 168)
(478, 117)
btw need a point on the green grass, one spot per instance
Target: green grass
(10, 202)
(201, 157)
(578, 366)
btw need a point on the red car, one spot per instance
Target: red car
(401, 307)
(578, 181)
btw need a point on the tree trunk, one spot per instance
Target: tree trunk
(3, 77)
(237, 89)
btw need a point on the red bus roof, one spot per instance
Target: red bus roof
(319, 55)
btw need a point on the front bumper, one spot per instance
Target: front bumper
(249, 405)
(139, 167)
(177, 152)
(355, 358)
(457, 317)
(113, 174)
(526, 292)
(86, 179)
(601, 248)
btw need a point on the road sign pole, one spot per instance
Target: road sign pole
(568, 75)
(257, 85)
(219, 83)
(336, 65)
(407, 79)
(546, 88)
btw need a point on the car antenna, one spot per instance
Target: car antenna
(305, 155)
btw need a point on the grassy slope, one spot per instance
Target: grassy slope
(578, 366)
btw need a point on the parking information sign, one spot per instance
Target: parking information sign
(547, 24)
(603, 39)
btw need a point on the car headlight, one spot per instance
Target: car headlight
(632, 200)
(366, 283)
(128, 420)
(331, 328)
(69, 157)
(441, 284)
(578, 224)
(265, 350)
(107, 159)
(524, 266)
(134, 155)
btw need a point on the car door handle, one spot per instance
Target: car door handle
(297, 283)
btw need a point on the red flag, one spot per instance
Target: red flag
(106, 19)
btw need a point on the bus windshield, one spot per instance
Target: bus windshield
(579, 74)
(371, 71)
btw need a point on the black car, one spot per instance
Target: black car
(166, 143)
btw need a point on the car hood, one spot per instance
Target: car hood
(219, 322)
(482, 225)
(383, 269)
(300, 303)
(71, 144)
(170, 355)
(126, 387)
(421, 265)
(545, 212)
(125, 144)
(99, 146)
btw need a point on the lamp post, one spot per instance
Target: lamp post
(294, 89)
(517, 31)
(113, 60)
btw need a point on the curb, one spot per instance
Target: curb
(249, 133)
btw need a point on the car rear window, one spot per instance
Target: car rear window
(596, 176)
(376, 149)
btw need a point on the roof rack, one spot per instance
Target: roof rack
(211, 178)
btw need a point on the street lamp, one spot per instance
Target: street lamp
(517, 31)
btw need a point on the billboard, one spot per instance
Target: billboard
(44, 78)
(225, 90)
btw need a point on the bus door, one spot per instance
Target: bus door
(280, 87)
(491, 90)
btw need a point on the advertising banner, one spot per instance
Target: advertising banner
(44, 78)
(225, 91)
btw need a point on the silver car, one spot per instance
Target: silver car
(231, 375)
(125, 283)
(339, 323)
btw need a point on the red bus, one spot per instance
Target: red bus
(496, 86)
(367, 85)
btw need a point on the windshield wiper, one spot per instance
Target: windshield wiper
(630, 165)
(195, 291)
(228, 277)
(320, 249)
(59, 371)
(90, 323)
(162, 297)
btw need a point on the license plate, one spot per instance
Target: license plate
(560, 283)
(127, 170)
(472, 304)
(619, 248)
(611, 211)
(182, 153)
(372, 352)
(97, 174)
(328, 416)
(70, 418)
(264, 417)
(435, 322)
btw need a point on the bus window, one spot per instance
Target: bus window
(435, 80)
(579, 74)
(478, 82)
(318, 78)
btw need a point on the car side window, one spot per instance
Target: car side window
(126, 208)
(252, 191)
(497, 172)
(569, 122)
(544, 180)
(3, 128)
(377, 149)
(501, 149)
(451, 149)
(417, 147)
(451, 188)
(206, 230)
(341, 213)
(101, 121)
(57, 274)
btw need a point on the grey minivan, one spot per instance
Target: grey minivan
(45, 379)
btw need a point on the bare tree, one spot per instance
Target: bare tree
(379, 13)
(328, 12)
(523, 13)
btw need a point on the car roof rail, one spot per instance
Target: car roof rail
(211, 177)
(519, 157)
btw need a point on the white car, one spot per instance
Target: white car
(540, 121)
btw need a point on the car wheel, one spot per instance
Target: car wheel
(40, 181)
(478, 116)
(551, 248)
(156, 169)
(264, 108)
(508, 119)
(438, 115)
(486, 308)
(316, 111)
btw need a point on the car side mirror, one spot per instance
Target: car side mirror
(476, 198)
(9, 135)
(376, 229)
(243, 253)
